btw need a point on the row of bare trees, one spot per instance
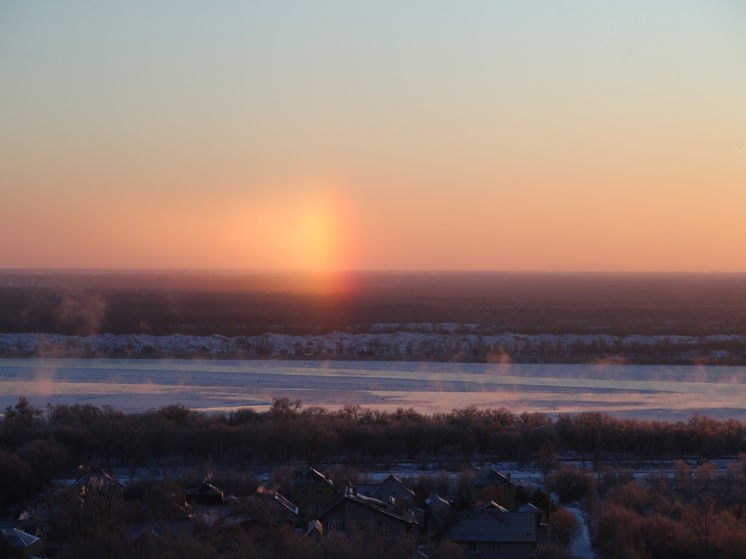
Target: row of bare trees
(36, 443)
(687, 513)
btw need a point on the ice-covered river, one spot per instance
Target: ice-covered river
(644, 391)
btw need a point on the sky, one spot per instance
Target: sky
(538, 135)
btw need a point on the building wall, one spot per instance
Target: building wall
(351, 518)
(498, 550)
(310, 498)
(502, 495)
(274, 512)
(396, 490)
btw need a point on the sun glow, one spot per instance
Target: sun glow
(320, 234)
(315, 232)
(324, 239)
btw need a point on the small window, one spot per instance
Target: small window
(273, 512)
(382, 530)
(393, 493)
(303, 492)
(474, 547)
(335, 527)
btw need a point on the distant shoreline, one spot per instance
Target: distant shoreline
(715, 350)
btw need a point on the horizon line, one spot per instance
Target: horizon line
(43, 270)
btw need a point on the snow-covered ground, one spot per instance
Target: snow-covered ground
(581, 546)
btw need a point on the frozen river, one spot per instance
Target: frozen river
(644, 391)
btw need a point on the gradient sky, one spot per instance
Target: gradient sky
(483, 135)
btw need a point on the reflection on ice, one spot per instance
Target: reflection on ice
(661, 392)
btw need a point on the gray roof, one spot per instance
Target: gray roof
(492, 505)
(312, 477)
(396, 481)
(492, 526)
(392, 511)
(204, 489)
(437, 502)
(314, 526)
(18, 538)
(366, 488)
(283, 501)
(493, 477)
(97, 476)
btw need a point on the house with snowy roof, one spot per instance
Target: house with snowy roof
(350, 514)
(275, 509)
(437, 503)
(393, 488)
(494, 486)
(310, 491)
(17, 543)
(99, 479)
(489, 532)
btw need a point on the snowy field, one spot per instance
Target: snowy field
(642, 391)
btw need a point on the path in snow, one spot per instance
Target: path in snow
(581, 547)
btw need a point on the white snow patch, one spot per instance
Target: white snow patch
(581, 547)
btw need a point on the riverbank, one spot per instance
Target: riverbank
(391, 346)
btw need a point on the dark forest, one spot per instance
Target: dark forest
(231, 304)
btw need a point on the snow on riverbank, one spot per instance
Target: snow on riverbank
(393, 345)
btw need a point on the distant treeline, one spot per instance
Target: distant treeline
(396, 346)
(251, 304)
(37, 445)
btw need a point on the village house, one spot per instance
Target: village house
(206, 495)
(349, 513)
(98, 479)
(393, 488)
(310, 491)
(437, 503)
(494, 486)
(275, 509)
(15, 543)
(528, 508)
(489, 532)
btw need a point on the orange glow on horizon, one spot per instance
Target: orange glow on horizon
(324, 239)
(323, 233)
(315, 232)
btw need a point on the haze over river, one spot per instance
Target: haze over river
(642, 391)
